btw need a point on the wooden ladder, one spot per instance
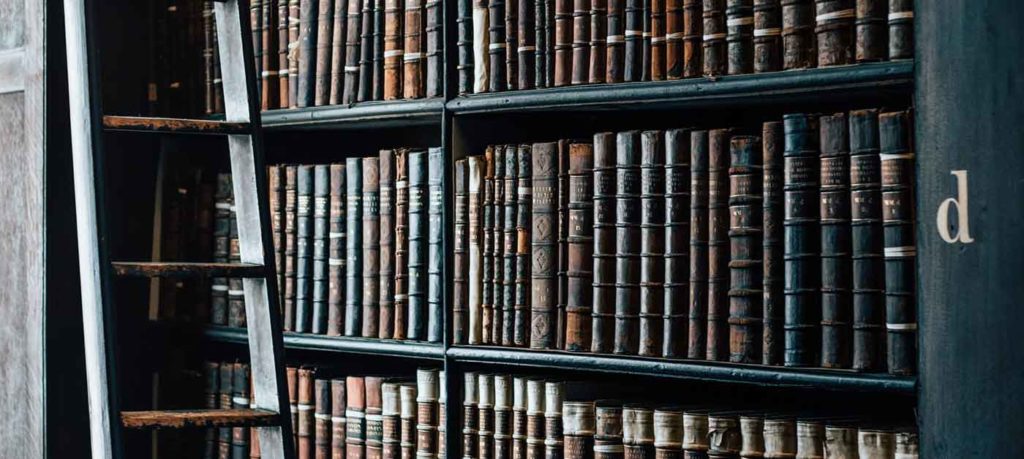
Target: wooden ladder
(242, 128)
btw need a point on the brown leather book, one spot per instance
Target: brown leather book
(773, 312)
(724, 435)
(634, 46)
(336, 252)
(581, 245)
(718, 244)
(752, 434)
(407, 414)
(534, 419)
(578, 425)
(497, 47)
(746, 264)
(481, 45)
(211, 399)
(901, 29)
(292, 52)
(386, 284)
(798, 40)
(627, 243)
(836, 265)
(674, 39)
(391, 421)
(714, 44)
(469, 415)
(598, 17)
(374, 420)
(895, 131)
(519, 396)
(779, 438)
(290, 241)
(366, 44)
(524, 222)
(608, 430)
(225, 393)
(695, 434)
(505, 327)
(841, 440)
(269, 78)
(502, 417)
(292, 377)
(563, 40)
(767, 36)
(677, 243)
(240, 400)
(554, 394)
(338, 36)
(872, 34)
(693, 38)
(603, 314)
(544, 289)
(485, 416)
(527, 44)
(802, 241)
(512, 45)
(355, 417)
(697, 333)
(354, 25)
(656, 10)
(275, 179)
(652, 242)
(427, 382)
(435, 46)
(563, 242)
(740, 36)
(834, 29)
(324, 29)
(810, 438)
(394, 10)
(339, 403)
(401, 244)
(581, 23)
(322, 418)
(495, 315)
(476, 252)
(307, 425)
(637, 432)
(668, 433)
(460, 276)
(615, 43)
(487, 292)
(371, 248)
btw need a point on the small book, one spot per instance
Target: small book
(519, 396)
(603, 314)
(413, 59)
(497, 46)
(802, 248)
(352, 29)
(872, 34)
(322, 417)
(779, 437)
(470, 418)
(714, 44)
(677, 243)
(502, 417)
(581, 22)
(336, 252)
(578, 425)
(226, 393)
(366, 22)
(487, 292)
(353, 246)
(562, 44)
(371, 247)
(407, 415)
(901, 29)
(798, 41)
(512, 45)
(608, 430)
(435, 250)
(477, 267)
(270, 78)
(836, 265)
(746, 264)
(718, 244)
(668, 433)
(221, 242)
(739, 36)
(374, 417)
(535, 421)
(634, 20)
(417, 253)
(543, 280)
(461, 275)
(579, 301)
(435, 47)
(505, 326)
(466, 65)
(394, 11)
(554, 394)
(307, 426)
(485, 416)
(304, 249)
(767, 36)
(724, 438)
(339, 422)
(638, 431)
(834, 28)
(898, 204)
(652, 244)
(240, 401)
(324, 32)
(493, 316)
(563, 243)
(875, 443)
(656, 36)
(321, 279)
(481, 46)
(527, 44)
(307, 53)
(695, 433)
(377, 90)
(386, 283)
(627, 243)
(391, 420)
(615, 44)
(355, 417)
(524, 192)
(401, 243)
(773, 303)
(697, 333)
(841, 440)
(339, 34)
(693, 38)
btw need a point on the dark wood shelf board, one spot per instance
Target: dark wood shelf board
(839, 380)
(835, 83)
(342, 344)
(357, 116)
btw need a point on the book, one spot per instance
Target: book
(221, 231)
(718, 244)
(633, 40)
(225, 395)
(240, 400)
(366, 44)
(339, 421)
(615, 43)
(502, 416)
(578, 425)
(209, 51)
(657, 22)
(901, 29)
(773, 312)
(554, 394)
(668, 433)
(493, 316)
(407, 415)
(841, 440)
(563, 243)
(898, 203)
(275, 177)
(352, 53)
(394, 10)
(307, 424)
(872, 34)
(746, 265)
(779, 437)
(497, 46)
(580, 239)
(676, 243)
(435, 48)
(542, 34)
(802, 247)
(283, 45)
(512, 45)
(442, 428)
(674, 52)
(355, 417)
(391, 420)
(608, 430)
(353, 247)
(386, 240)
(652, 242)
(698, 315)
(371, 247)
(374, 417)
(550, 41)
(598, 42)
(906, 445)
(519, 397)
(527, 43)
(417, 238)
(544, 257)
(401, 243)
(292, 379)
(581, 23)
(798, 41)
(378, 50)
(535, 421)
(637, 431)
(339, 34)
(627, 242)
(268, 40)
(767, 36)
(485, 416)
(470, 418)
(876, 443)
(481, 45)
(461, 275)
(211, 399)
(645, 42)
(740, 36)
(435, 250)
(836, 265)
(524, 195)
(321, 280)
(236, 294)
(304, 249)
(466, 65)
(563, 42)
(294, 49)
(603, 314)
(724, 435)
(810, 438)
(504, 328)
(477, 165)
(336, 252)
(695, 434)
(834, 28)
(322, 417)
(324, 32)
(307, 53)
(714, 43)
(487, 291)
(693, 38)
(752, 433)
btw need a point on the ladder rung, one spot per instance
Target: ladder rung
(179, 419)
(173, 125)
(179, 269)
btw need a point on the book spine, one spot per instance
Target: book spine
(218, 84)
(779, 437)
(677, 243)
(637, 432)
(470, 417)
(211, 373)
(240, 400)
(740, 36)
(435, 249)
(338, 418)
(798, 40)
(307, 426)
(746, 264)
(544, 258)
(581, 23)
(578, 425)
(627, 243)
(645, 42)
(294, 49)
(603, 315)
(466, 66)
(307, 53)
(901, 29)
(485, 417)
(875, 443)
(598, 19)
(524, 195)
(810, 438)
(371, 247)
(391, 421)
(554, 394)
(906, 445)
(353, 246)
(418, 227)
(275, 177)
(355, 418)
(563, 243)
(718, 244)
(693, 38)
(322, 418)
(752, 433)
(580, 247)
(374, 418)
(697, 333)
(336, 252)
(512, 44)
(836, 265)
(477, 165)
(442, 430)
(257, 28)
(841, 441)
(497, 47)
(378, 50)
(221, 242)
(493, 317)
(321, 205)
(268, 41)
(292, 377)
(338, 35)
(506, 326)
(236, 294)
(481, 46)
(724, 435)
(659, 38)
(209, 90)
(283, 48)
(695, 435)
(898, 206)
(674, 39)
(324, 29)
(365, 91)
(714, 43)
(563, 42)
(608, 431)
(527, 45)
(767, 36)
(633, 40)
(352, 43)
(461, 275)
(615, 55)
(541, 42)
(394, 11)
(487, 292)
(407, 415)
(519, 396)
(652, 242)
(435, 47)
(867, 242)
(401, 244)
(386, 321)
(502, 417)
(802, 247)
(549, 32)
(304, 250)
(668, 434)
(835, 31)
(872, 36)
(535, 419)
(773, 312)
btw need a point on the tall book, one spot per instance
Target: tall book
(509, 250)
(836, 265)
(802, 248)
(386, 271)
(693, 38)
(633, 57)
(652, 243)
(339, 422)
(637, 431)
(835, 36)
(353, 246)
(374, 417)
(283, 46)
(718, 244)
(695, 434)
(338, 35)
(512, 45)
(394, 10)
(674, 39)
(225, 394)
(563, 242)
(476, 251)
(541, 57)
(353, 26)
(544, 256)
(746, 264)
(527, 45)
(578, 425)
(461, 275)
(867, 242)
(442, 430)
(627, 242)
(798, 41)
(524, 195)
(608, 430)
(407, 416)
(714, 44)
(275, 177)
(306, 429)
(221, 231)
(292, 377)
(209, 49)
(740, 36)
(657, 21)
(677, 243)
(563, 39)
(497, 48)
(603, 314)
(519, 397)
(773, 314)
(324, 32)
(615, 42)
(485, 416)
(535, 418)
(435, 255)
(487, 289)
(391, 420)
(378, 50)
(752, 433)
(724, 435)
(901, 29)
(417, 268)
(598, 17)
(414, 60)
(464, 27)
(371, 247)
(872, 34)
(307, 53)
(365, 90)
(336, 252)
(554, 394)
(645, 42)
(481, 45)
(580, 247)
(697, 344)
(322, 418)
(321, 279)
(492, 321)
(355, 417)
(779, 437)
(898, 204)
(240, 401)
(401, 243)
(581, 23)
(668, 433)
(502, 417)
(435, 48)
(767, 36)
(304, 249)
(470, 418)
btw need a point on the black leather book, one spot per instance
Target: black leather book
(365, 92)
(543, 235)
(435, 47)
(718, 244)
(897, 153)
(550, 41)
(371, 247)
(211, 397)
(386, 323)
(836, 266)
(767, 36)
(677, 243)
(492, 319)
(745, 249)
(697, 343)
(221, 242)
(304, 250)
(336, 253)
(240, 401)
(645, 41)
(634, 19)
(435, 250)
(603, 327)
(834, 24)
(773, 314)
(581, 11)
(464, 24)
(321, 204)
(563, 241)
(740, 36)
(353, 246)
(580, 239)
(378, 50)
(401, 243)
(521, 316)
(652, 242)
(324, 33)
(487, 290)
(509, 249)
(802, 247)
(540, 57)
(627, 243)
(498, 48)
(867, 243)
(901, 29)
(512, 44)
(460, 276)
(598, 41)
(418, 228)
(527, 48)
(307, 53)
(225, 394)
(353, 27)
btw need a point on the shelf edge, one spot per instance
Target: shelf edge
(306, 341)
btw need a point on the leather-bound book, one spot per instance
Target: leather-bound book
(497, 47)
(378, 50)
(442, 429)
(365, 91)
(798, 40)
(563, 42)
(554, 394)
(353, 27)
(509, 253)
(306, 91)
(394, 10)
(608, 431)
(477, 165)
(324, 30)
(779, 438)
(746, 264)
(304, 250)
(321, 205)
(374, 419)
(674, 39)
(802, 247)
(427, 382)
(502, 417)
(487, 292)
(563, 242)
(834, 29)
(872, 34)
(294, 48)
(275, 179)
(401, 243)
(603, 314)
(526, 32)
(841, 440)
(460, 276)
(677, 243)
(773, 314)
(752, 434)
(485, 416)
(627, 243)
(268, 55)
(875, 444)
(693, 38)
(740, 36)
(236, 294)
(322, 418)
(867, 241)
(339, 404)
(534, 419)
(658, 47)
(767, 36)
(338, 36)
(901, 29)
(615, 42)
(407, 414)
(466, 64)
(652, 242)
(718, 244)
(633, 57)
(481, 46)
(225, 393)
(810, 439)
(581, 245)
(714, 44)
(355, 417)
(668, 433)
(386, 270)
(221, 231)
(492, 318)
(544, 289)
(697, 333)
(209, 50)
(240, 400)
(307, 423)
(435, 251)
(836, 266)
(906, 445)
(391, 421)
(292, 377)
(435, 45)
(512, 45)
(519, 397)
(637, 432)
(469, 415)
(645, 59)
(541, 33)
(695, 434)
(418, 228)
(291, 200)
(211, 397)
(550, 40)
(724, 438)
(598, 17)
(898, 202)
(578, 425)
(581, 22)
(353, 247)
(524, 221)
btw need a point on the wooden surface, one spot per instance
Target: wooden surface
(178, 419)
(172, 125)
(181, 269)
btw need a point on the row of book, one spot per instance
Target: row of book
(357, 417)
(329, 52)
(791, 243)
(511, 416)
(525, 44)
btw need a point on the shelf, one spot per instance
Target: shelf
(789, 87)
(358, 116)
(306, 341)
(839, 380)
